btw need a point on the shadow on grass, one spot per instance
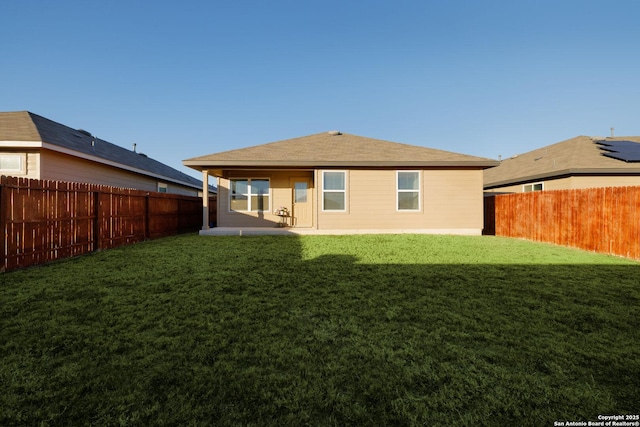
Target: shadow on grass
(524, 344)
(270, 332)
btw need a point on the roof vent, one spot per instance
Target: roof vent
(85, 132)
(334, 132)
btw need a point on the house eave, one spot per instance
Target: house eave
(261, 164)
(21, 144)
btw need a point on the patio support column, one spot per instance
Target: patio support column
(205, 199)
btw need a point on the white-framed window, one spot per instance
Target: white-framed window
(12, 163)
(162, 187)
(408, 190)
(527, 188)
(249, 194)
(334, 191)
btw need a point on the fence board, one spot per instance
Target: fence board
(42, 221)
(605, 220)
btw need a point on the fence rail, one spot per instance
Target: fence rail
(605, 220)
(43, 221)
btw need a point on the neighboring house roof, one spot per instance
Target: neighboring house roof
(575, 156)
(26, 129)
(334, 149)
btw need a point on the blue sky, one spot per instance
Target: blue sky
(184, 79)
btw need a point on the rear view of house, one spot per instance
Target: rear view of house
(34, 147)
(340, 182)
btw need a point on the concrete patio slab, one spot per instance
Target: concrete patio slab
(287, 231)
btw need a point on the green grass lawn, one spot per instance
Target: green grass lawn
(321, 330)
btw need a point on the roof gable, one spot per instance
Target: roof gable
(581, 154)
(25, 126)
(335, 149)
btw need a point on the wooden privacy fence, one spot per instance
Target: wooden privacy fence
(42, 221)
(605, 220)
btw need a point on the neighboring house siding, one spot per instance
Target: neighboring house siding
(60, 167)
(575, 182)
(56, 166)
(604, 181)
(186, 191)
(552, 184)
(33, 165)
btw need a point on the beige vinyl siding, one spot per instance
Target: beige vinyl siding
(453, 199)
(181, 189)
(605, 181)
(450, 200)
(370, 201)
(279, 195)
(61, 167)
(33, 165)
(554, 184)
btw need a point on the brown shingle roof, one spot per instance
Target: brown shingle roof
(18, 126)
(579, 155)
(328, 149)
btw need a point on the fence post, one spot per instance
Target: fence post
(3, 209)
(179, 226)
(97, 230)
(147, 218)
